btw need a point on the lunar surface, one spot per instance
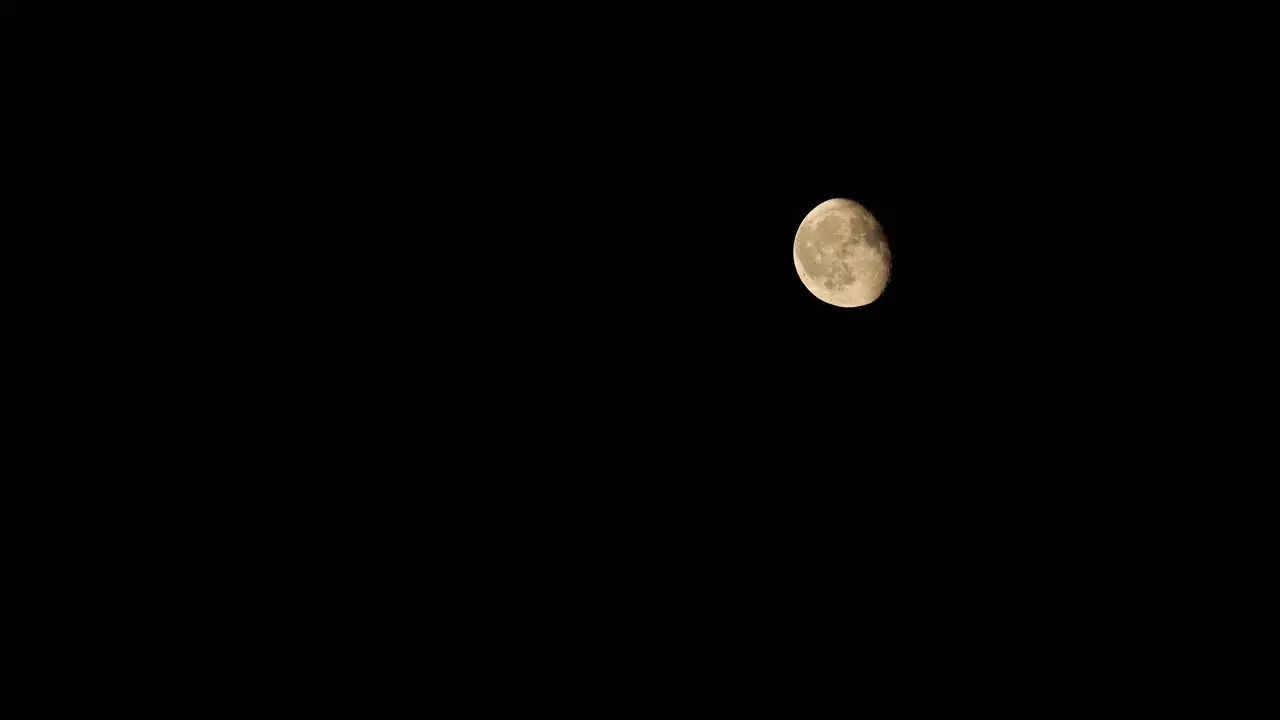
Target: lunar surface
(841, 254)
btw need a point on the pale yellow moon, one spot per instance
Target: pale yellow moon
(841, 254)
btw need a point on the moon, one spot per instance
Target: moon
(842, 255)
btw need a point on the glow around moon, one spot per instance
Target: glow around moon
(841, 254)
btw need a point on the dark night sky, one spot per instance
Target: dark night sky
(575, 314)
(525, 317)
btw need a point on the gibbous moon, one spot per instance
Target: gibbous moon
(841, 254)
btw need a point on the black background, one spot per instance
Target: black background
(504, 321)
